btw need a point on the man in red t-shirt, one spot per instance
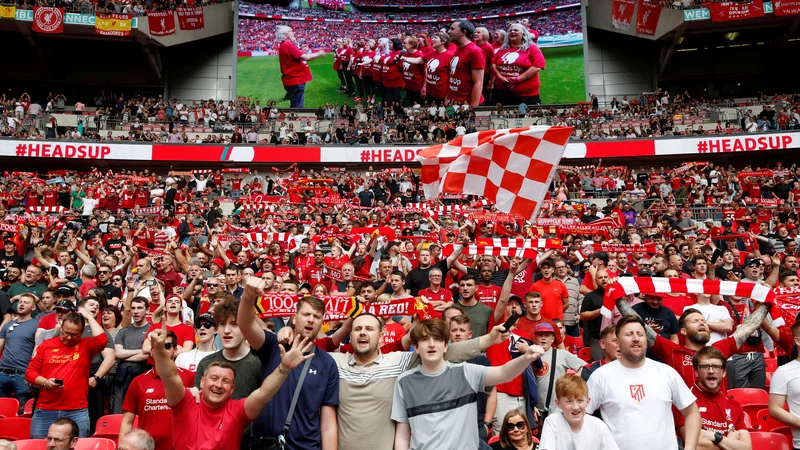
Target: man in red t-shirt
(533, 317)
(217, 421)
(60, 369)
(696, 334)
(294, 67)
(722, 417)
(487, 293)
(467, 65)
(145, 398)
(555, 296)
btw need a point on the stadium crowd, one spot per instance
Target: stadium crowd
(133, 7)
(135, 293)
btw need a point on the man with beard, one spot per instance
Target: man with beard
(696, 332)
(722, 417)
(313, 423)
(316, 274)
(635, 395)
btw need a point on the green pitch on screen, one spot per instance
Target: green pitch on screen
(259, 77)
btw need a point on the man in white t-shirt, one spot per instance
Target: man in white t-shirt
(785, 388)
(717, 317)
(89, 204)
(206, 330)
(635, 395)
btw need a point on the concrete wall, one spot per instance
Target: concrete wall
(201, 69)
(618, 65)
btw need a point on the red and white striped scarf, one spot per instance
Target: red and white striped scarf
(515, 243)
(524, 252)
(647, 285)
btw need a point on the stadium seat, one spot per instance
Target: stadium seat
(27, 410)
(31, 444)
(108, 426)
(94, 443)
(748, 422)
(772, 364)
(9, 407)
(752, 400)
(768, 423)
(585, 354)
(771, 441)
(13, 428)
(494, 439)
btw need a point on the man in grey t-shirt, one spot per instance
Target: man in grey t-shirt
(17, 343)
(128, 351)
(544, 335)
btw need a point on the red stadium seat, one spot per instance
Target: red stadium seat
(108, 426)
(9, 407)
(772, 364)
(494, 439)
(748, 422)
(31, 444)
(770, 441)
(585, 354)
(752, 400)
(94, 443)
(768, 423)
(13, 428)
(27, 410)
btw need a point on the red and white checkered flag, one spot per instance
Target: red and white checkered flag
(511, 168)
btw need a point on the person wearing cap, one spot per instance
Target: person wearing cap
(132, 361)
(17, 341)
(146, 400)
(555, 297)
(574, 300)
(10, 256)
(206, 329)
(555, 364)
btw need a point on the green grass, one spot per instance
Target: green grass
(259, 77)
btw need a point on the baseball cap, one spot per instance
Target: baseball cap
(544, 327)
(753, 262)
(305, 285)
(69, 305)
(727, 223)
(515, 298)
(219, 262)
(9, 241)
(65, 290)
(546, 262)
(205, 317)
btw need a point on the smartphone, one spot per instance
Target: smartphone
(150, 283)
(208, 274)
(58, 381)
(511, 321)
(53, 271)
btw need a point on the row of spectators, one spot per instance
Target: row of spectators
(166, 301)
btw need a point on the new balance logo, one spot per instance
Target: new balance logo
(314, 371)
(149, 391)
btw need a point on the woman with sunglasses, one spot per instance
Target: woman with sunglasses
(515, 433)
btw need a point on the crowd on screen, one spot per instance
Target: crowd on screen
(273, 10)
(138, 297)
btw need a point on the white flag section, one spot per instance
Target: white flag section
(512, 168)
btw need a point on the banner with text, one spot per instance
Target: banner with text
(786, 7)
(113, 25)
(647, 17)
(8, 12)
(725, 11)
(48, 20)
(623, 14)
(190, 18)
(161, 23)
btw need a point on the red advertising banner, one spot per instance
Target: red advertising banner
(725, 11)
(786, 7)
(48, 20)
(161, 23)
(647, 17)
(622, 14)
(190, 18)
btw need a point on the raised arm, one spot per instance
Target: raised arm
(513, 368)
(505, 292)
(259, 398)
(626, 310)
(167, 371)
(246, 316)
(750, 324)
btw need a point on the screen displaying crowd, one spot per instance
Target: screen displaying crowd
(190, 302)
(337, 56)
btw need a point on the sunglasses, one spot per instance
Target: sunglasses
(104, 271)
(212, 284)
(169, 345)
(519, 425)
(205, 325)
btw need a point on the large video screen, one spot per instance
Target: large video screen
(319, 52)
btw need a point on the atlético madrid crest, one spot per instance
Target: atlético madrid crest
(637, 392)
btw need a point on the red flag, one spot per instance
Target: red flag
(48, 20)
(511, 168)
(786, 7)
(190, 18)
(647, 17)
(161, 23)
(724, 11)
(622, 14)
